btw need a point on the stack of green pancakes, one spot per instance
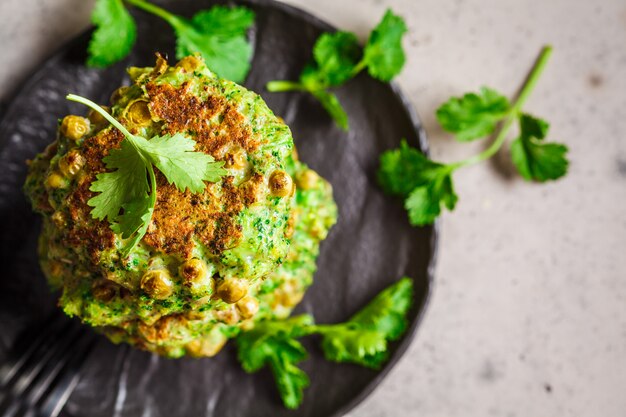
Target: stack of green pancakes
(210, 264)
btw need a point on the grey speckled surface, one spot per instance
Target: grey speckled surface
(528, 316)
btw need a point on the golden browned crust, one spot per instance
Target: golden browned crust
(182, 111)
(82, 229)
(179, 217)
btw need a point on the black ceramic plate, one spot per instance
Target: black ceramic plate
(371, 246)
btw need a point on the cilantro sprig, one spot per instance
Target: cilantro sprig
(274, 343)
(218, 34)
(338, 58)
(362, 340)
(115, 34)
(127, 193)
(427, 186)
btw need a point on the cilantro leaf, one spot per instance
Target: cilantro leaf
(134, 222)
(290, 379)
(424, 203)
(403, 169)
(386, 313)
(363, 339)
(311, 79)
(474, 115)
(124, 199)
(136, 213)
(338, 58)
(336, 55)
(350, 343)
(535, 159)
(120, 186)
(219, 36)
(233, 65)
(224, 21)
(273, 344)
(330, 102)
(383, 53)
(114, 36)
(426, 185)
(174, 156)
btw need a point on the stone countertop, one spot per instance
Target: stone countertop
(528, 314)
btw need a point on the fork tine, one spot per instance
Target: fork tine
(56, 365)
(43, 384)
(54, 400)
(32, 366)
(27, 344)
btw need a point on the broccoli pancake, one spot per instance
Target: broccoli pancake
(201, 332)
(202, 252)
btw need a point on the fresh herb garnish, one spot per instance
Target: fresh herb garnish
(114, 36)
(218, 34)
(536, 160)
(361, 340)
(427, 185)
(273, 343)
(127, 194)
(338, 58)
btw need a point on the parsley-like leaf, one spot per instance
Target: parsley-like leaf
(175, 157)
(224, 21)
(228, 57)
(363, 339)
(338, 58)
(133, 223)
(336, 55)
(535, 159)
(114, 36)
(475, 115)
(290, 379)
(126, 181)
(425, 184)
(218, 34)
(124, 198)
(403, 169)
(386, 313)
(383, 54)
(135, 214)
(424, 203)
(351, 343)
(274, 344)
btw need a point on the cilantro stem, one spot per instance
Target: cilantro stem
(358, 67)
(110, 119)
(152, 185)
(152, 188)
(284, 85)
(155, 10)
(527, 88)
(94, 106)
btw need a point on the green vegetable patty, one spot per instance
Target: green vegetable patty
(208, 262)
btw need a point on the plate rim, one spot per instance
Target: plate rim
(6, 107)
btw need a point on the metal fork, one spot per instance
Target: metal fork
(41, 370)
